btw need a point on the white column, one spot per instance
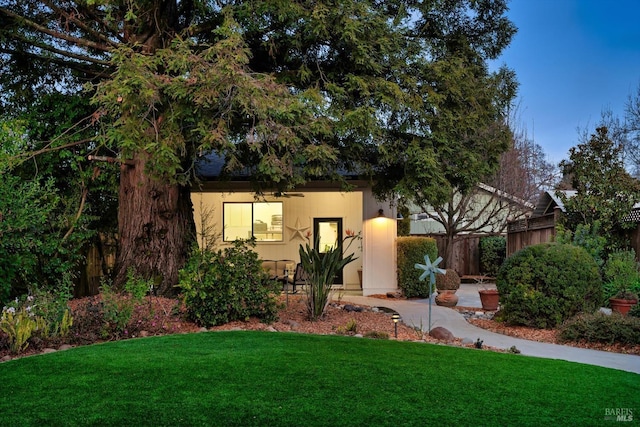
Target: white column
(379, 255)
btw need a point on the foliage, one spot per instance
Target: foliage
(411, 251)
(635, 310)
(351, 328)
(118, 307)
(41, 316)
(450, 280)
(587, 236)
(621, 273)
(321, 269)
(542, 285)
(493, 251)
(227, 285)
(290, 91)
(18, 324)
(605, 192)
(600, 327)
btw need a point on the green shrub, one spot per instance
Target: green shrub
(543, 285)
(227, 285)
(585, 236)
(600, 327)
(493, 251)
(411, 251)
(621, 274)
(448, 281)
(635, 311)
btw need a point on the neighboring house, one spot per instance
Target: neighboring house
(486, 211)
(540, 226)
(460, 224)
(281, 223)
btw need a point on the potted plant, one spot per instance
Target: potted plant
(489, 297)
(447, 284)
(622, 280)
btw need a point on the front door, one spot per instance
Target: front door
(328, 234)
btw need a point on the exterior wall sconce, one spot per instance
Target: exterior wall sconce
(380, 213)
(396, 318)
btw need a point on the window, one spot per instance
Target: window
(261, 220)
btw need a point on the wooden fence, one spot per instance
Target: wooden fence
(530, 231)
(466, 253)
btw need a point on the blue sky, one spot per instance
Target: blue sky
(573, 59)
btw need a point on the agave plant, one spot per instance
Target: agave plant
(321, 269)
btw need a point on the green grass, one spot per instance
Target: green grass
(286, 379)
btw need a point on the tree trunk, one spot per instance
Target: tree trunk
(155, 226)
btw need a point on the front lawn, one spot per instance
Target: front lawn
(287, 379)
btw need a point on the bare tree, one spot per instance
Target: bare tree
(509, 195)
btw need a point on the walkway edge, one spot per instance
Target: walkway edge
(416, 314)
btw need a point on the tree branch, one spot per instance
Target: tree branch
(55, 34)
(81, 24)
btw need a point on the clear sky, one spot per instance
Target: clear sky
(573, 59)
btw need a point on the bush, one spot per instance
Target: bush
(227, 285)
(621, 275)
(411, 251)
(448, 281)
(543, 285)
(599, 327)
(493, 251)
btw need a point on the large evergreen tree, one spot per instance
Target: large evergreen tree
(398, 90)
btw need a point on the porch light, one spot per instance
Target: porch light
(396, 318)
(380, 213)
(399, 217)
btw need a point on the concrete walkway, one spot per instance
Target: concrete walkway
(415, 313)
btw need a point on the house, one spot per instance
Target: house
(484, 212)
(319, 212)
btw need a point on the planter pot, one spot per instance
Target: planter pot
(489, 299)
(447, 298)
(622, 306)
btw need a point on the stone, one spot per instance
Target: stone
(64, 347)
(293, 324)
(49, 350)
(144, 334)
(271, 329)
(467, 341)
(441, 333)
(352, 308)
(203, 329)
(5, 358)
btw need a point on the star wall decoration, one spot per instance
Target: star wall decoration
(297, 230)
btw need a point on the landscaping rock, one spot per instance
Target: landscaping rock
(49, 350)
(350, 308)
(144, 334)
(293, 324)
(5, 358)
(467, 341)
(441, 333)
(271, 329)
(65, 347)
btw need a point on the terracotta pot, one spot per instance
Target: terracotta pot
(622, 306)
(447, 298)
(489, 299)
